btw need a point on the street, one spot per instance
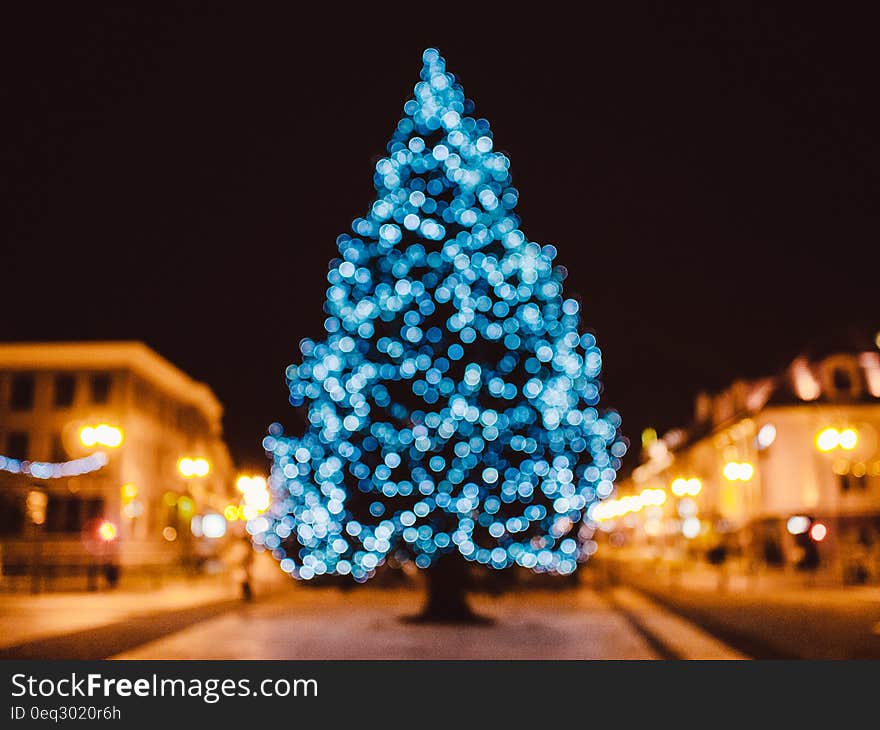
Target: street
(640, 615)
(775, 623)
(364, 623)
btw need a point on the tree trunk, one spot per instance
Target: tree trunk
(447, 584)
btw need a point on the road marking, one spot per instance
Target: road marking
(684, 638)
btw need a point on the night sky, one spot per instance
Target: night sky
(710, 180)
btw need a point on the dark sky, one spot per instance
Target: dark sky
(709, 178)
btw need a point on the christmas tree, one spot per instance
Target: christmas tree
(452, 403)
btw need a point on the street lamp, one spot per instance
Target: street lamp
(36, 511)
(681, 486)
(829, 439)
(131, 505)
(193, 467)
(766, 436)
(738, 471)
(107, 531)
(256, 497)
(36, 506)
(101, 435)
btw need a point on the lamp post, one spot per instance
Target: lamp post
(256, 497)
(190, 467)
(102, 436)
(36, 511)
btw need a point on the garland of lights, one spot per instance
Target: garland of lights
(54, 470)
(452, 404)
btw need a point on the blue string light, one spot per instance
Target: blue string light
(54, 470)
(452, 403)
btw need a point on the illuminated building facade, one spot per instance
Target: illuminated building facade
(781, 472)
(107, 453)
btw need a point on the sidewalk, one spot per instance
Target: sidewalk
(365, 623)
(795, 588)
(786, 588)
(25, 617)
(682, 639)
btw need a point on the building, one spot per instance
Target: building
(107, 453)
(780, 473)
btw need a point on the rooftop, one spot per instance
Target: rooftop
(124, 355)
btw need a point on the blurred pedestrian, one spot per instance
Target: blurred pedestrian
(241, 557)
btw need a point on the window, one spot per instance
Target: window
(17, 445)
(70, 514)
(11, 515)
(65, 386)
(145, 397)
(22, 398)
(94, 508)
(841, 380)
(56, 513)
(59, 453)
(167, 412)
(190, 421)
(64, 514)
(852, 482)
(100, 388)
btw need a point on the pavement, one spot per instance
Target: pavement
(790, 587)
(632, 612)
(207, 620)
(25, 617)
(83, 625)
(773, 617)
(78, 625)
(364, 623)
(314, 623)
(680, 638)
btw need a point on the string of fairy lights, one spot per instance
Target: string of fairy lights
(54, 470)
(452, 404)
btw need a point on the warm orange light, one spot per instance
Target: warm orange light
(101, 435)
(108, 435)
(36, 506)
(185, 506)
(107, 531)
(741, 471)
(679, 487)
(828, 439)
(87, 436)
(818, 532)
(849, 437)
(256, 497)
(682, 486)
(245, 483)
(870, 362)
(805, 384)
(193, 467)
(652, 497)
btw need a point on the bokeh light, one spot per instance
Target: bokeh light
(452, 404)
